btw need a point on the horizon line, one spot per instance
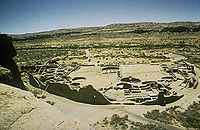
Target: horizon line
(79, 27)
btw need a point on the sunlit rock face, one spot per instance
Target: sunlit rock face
(21, 110)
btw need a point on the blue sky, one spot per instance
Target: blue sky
(23, 16)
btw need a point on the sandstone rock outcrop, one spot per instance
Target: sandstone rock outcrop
(21, 110)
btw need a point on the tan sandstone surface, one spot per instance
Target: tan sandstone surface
(22, 110)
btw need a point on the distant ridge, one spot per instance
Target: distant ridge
(118, 24)
(112, 30)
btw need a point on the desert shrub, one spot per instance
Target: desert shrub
(151, 127)
(190, 118)
(117, 122)
(38, 54)
(163, 116)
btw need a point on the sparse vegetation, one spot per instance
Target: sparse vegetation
(173, 37)
(116, 122)
(189, 118)
(120, 44)
(163, 116)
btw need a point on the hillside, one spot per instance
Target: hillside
(177, 37)
(160, 31)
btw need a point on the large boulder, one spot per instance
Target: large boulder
(5, 76)
(21, 110)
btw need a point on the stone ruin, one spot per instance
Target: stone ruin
(158, 92)
(54, 78)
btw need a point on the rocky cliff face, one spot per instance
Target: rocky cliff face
(21, 110)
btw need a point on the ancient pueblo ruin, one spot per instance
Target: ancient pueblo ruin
(105, 83)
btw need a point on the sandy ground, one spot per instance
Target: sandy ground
(85, 115)
(90, 114)
(95, 77)
(98, 79)
(144, 72)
